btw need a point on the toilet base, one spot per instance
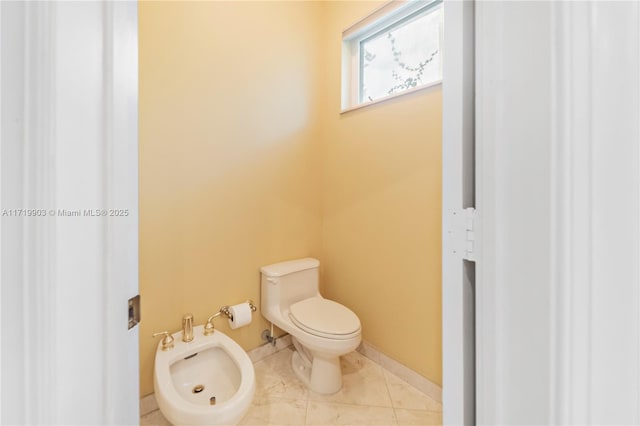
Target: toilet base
(323, 376)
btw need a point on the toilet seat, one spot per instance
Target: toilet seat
(325, 318)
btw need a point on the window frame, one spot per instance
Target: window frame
(390, 14)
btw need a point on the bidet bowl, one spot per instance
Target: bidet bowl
(208, 381)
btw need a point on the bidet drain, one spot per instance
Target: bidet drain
(197, 389)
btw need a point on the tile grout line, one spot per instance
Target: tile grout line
(350, 404)
(386, 383)
(306, 411)
(427, 410)
(355, 405)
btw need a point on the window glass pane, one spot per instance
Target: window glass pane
(401, 57)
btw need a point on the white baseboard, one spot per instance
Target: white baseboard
(415, 379)
(267, 349)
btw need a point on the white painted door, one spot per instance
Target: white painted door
(558, 194)
(68, 198)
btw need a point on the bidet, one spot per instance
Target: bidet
(207, 381)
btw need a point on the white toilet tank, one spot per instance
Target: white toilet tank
(285, 283)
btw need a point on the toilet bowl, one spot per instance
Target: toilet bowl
(208, 381)
(322, 330)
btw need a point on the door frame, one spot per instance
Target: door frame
(68, 139)
(458, 194)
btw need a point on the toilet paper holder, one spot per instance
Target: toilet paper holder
(225, 310)
(209, 328)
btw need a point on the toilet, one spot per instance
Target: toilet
(322, 330)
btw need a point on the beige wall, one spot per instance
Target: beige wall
(229, 156)
(381, 232)
(245, 160)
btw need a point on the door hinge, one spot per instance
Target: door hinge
(465, 233)
(134, 311)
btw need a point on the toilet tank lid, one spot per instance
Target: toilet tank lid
(290, 266)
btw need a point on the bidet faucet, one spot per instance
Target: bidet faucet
(187, 328)
(208, 328)
(167, 341)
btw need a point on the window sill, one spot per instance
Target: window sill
(387, 98)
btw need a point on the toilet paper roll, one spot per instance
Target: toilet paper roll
(241, 315)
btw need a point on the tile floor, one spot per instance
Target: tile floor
(370, 396)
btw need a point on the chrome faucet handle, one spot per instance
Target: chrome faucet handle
(167, 340)
(187, 328)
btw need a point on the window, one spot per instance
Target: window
(395, 49)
